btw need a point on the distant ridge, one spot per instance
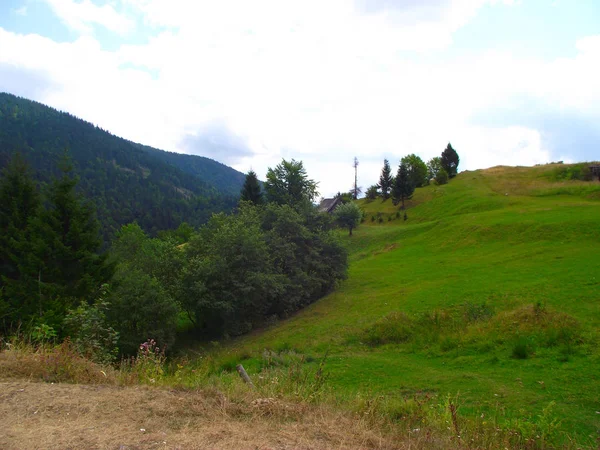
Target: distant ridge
(126, 181)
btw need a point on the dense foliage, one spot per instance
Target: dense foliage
(288, 184)
(49, 250)
(417, 170)
(235, 272)
(126, 181)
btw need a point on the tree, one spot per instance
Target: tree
(72, 267)
(227, 283)
(450, 161)
(140, 309)
(434, 165)
(417, 170)
(251, 191)
(348, 215)
(403, 185)
(372, 192)
(288, 184)
(19, 206)
(386, 181)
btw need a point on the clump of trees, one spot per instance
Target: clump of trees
(273, 256)
(49, 248)
(414, 173)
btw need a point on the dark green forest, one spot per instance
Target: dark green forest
(200, 264)
(126, 181)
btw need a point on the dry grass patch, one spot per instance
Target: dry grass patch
(40, 415)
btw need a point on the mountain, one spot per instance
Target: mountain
(126, 181)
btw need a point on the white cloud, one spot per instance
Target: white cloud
(80, 16)
(317, 81)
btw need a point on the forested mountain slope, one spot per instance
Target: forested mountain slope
(126, 181)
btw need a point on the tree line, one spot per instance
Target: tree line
(412, 173)
(273, 256)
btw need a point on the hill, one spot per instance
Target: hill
(126, 181)
(487, 296)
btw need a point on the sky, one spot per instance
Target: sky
(247, 83)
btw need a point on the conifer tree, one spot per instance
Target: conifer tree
(403, 185)
(386, 180)
(251, 191)
(71, 267)
(450, 161)
(19, 205)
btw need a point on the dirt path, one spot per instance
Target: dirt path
(53, 416)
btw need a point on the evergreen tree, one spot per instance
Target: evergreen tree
(71, 266)
(403, 185)
(385, 180)
(251, 191)
(450, 161)
(19, 205)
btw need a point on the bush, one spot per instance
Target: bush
(441, 177)
(90, 332)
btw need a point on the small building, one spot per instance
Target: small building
(595, 170)
(328, 205)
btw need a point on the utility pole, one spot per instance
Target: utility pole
(355, 178)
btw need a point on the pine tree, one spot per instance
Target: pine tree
(386, 180)
(19, 205)
(71, 267)
(450, 160)
(251, 191)
(403, 185)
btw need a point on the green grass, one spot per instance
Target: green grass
(488, 291)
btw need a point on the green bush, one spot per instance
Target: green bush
(441, 177)
(90, 332)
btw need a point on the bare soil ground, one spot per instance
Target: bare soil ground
(51, 416)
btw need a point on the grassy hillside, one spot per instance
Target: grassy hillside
(488, 293)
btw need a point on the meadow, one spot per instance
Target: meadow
(487, 294)
(471, 324)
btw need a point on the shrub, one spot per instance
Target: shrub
(90, 332)
(441, 177)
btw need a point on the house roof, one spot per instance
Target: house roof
(328, 204)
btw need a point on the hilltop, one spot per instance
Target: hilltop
(126, 181)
